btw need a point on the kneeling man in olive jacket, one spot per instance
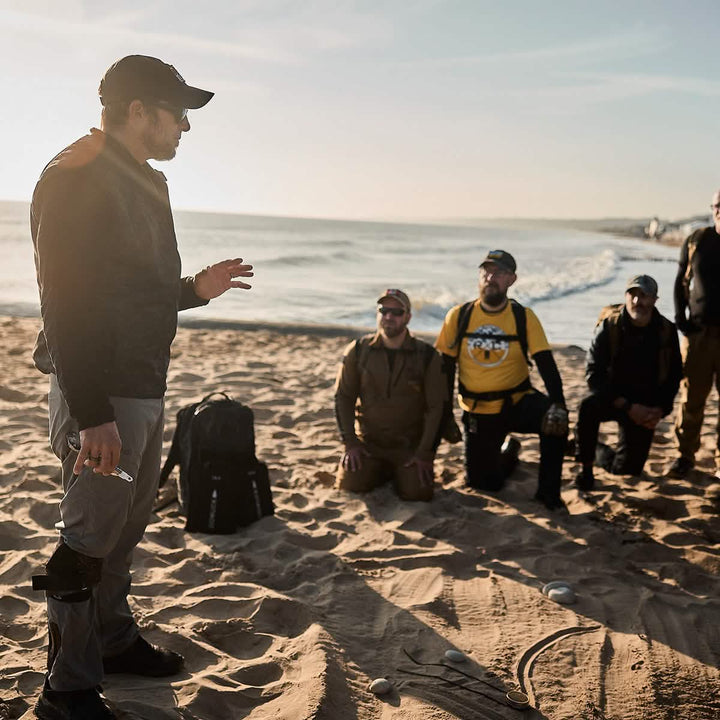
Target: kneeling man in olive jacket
(389, 402)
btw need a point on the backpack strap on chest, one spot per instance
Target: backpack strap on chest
(520, 335)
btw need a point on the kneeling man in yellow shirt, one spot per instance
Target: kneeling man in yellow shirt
(491, 340)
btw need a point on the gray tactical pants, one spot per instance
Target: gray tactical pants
(103, 517)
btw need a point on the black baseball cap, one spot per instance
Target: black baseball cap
(140, 77)
(501, 258)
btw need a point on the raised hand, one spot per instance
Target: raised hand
(215, 279)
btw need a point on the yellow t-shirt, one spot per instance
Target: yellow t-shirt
(486, 364)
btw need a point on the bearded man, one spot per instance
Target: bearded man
(633, 372)
(108, 272)
(491, 340)
(390, 384)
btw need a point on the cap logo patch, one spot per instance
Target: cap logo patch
(177, 74)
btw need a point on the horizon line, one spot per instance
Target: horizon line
(452, 221)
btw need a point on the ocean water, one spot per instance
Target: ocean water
(330, 272)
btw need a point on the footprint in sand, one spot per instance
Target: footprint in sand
(10, 395)
(660, 507)
(258, 675)
(11, 607)
(236, 641)
(283, 434)
(281, 616)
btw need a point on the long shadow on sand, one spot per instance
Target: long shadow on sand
(627, 582)
(360, 629)
(329, 579)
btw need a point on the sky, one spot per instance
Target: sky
(391, 109)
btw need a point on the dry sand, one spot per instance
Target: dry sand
(292, 617)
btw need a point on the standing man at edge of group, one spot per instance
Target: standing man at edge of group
(491, 341)
(398, 380)
(697, 316)
(109, 279)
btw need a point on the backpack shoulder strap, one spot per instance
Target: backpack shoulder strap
(184, 417)
(692, 247)
(463, 322)
(521, 327)
(362, 351)
(612, 314)
(172, 459)
(424, 352)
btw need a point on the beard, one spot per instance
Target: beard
(493, 296)
(158, 150)
(158, 147)
(640, 316)
(392, 330)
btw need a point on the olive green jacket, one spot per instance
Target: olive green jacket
(398, 407)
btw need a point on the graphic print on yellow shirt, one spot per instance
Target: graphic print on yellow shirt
(487, 360)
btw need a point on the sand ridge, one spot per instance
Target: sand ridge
(293, 616)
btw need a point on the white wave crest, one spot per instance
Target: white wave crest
(560, 278)
(567, 277)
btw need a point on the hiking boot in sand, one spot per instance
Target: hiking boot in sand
(142, 658)
(509, 456)
(604, 457)
(551, 502)
(585, 480)
(73, 705)
(680, 468)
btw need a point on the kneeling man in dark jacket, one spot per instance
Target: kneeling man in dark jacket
(633, 371)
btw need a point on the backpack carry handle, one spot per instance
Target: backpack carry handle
(205, 400)
(173, 457)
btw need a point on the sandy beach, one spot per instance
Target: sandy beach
(292, 617)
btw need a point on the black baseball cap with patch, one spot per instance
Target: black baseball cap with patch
(502, 259)
(140, 77)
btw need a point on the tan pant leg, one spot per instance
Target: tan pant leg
(716, 365)
(372, 474)
(406, 480)
(698, 352)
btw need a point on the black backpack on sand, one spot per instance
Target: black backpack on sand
(222, 484)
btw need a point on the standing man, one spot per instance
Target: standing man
(697, 316)
(633, 372)
(491, 340)
(398, 382)
(109, 278)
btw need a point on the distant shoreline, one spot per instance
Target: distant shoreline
(624, 226)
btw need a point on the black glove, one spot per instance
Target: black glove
(555, 421)
(450, 431)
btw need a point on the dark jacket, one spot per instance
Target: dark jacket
(697, 298)
(640, 364)
(400, 406)
(108, 271)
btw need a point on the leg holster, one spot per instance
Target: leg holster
(70, 576)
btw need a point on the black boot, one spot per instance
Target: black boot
(509, 456)
(585, 480)
(72, 705)
(604, 457)
(142, 658)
